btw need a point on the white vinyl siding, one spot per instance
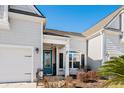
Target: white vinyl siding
(24, 33)
(115, 23)
(114, 47)
(78, 44)
(95, 50)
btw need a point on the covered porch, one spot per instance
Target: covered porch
(56, 55)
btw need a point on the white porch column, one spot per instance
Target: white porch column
(67, 59)
(57, 60)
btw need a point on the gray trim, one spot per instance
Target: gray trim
(112, 29)
(120, 20)
(24, 12)
(113, 18)
(39, 11)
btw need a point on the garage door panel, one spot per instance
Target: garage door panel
(15, 64)
(14, 77)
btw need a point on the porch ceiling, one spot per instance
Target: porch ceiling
(56, 40)
(49, 46)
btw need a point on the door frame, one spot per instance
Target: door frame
(21, 46)
(51, 60)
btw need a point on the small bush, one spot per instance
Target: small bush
(87, 76)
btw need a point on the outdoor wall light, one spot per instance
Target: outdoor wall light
(37, 50)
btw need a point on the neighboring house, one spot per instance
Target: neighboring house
(21, 30)
(105, 40)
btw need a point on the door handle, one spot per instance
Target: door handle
(27, 73)
(27, 56)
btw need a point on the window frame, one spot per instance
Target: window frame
(72, 59)
(62, 61)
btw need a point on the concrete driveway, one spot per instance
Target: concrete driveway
(18, 85)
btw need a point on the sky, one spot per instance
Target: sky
(75, 18)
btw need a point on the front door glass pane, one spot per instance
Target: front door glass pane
(47, 59)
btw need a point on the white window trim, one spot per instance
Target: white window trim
(73, 61)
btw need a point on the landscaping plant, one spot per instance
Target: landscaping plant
(114, 71)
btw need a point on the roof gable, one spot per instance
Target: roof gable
(102, 23)
(114, 23)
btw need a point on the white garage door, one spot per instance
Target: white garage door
(15, 64)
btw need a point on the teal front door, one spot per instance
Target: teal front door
(47, 62)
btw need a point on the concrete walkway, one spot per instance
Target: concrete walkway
(19, 85)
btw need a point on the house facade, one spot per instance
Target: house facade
(67, 52)
(105, 39)
(26, 46)
(21, 30)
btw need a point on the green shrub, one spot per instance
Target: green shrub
(114, 69)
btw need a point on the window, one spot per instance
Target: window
(76, 64)
(82, 60)
(70, 64)
(61, 60)
(74, 60)
(70, 60)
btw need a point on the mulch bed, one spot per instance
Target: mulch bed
(88, 79)
(74, 83)
(90, 84)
